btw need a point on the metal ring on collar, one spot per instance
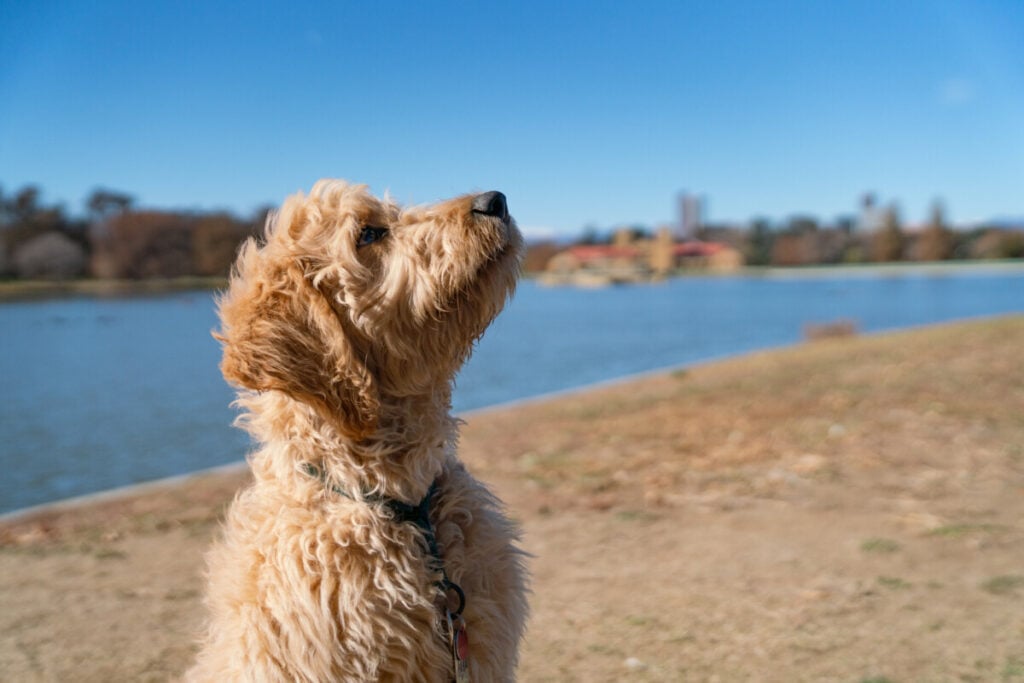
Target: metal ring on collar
(452, 586)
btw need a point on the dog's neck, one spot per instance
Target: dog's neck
(400, 460)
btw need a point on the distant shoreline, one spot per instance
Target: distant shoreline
(28, 290)
(891, 269)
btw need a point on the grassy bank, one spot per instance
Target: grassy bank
(20, 290)
(895, 269)
(845, 510)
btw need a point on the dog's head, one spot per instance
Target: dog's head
(352, 301)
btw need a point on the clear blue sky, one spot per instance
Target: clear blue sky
(582, 112)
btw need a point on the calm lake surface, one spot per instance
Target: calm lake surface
(101, 393)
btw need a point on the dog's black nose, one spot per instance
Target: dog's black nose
(491, 204)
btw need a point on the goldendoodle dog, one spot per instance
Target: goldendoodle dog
(363, 550)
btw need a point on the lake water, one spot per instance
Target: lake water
(106, 392)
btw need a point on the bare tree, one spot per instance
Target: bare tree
(144, 244)
(936, 241)
(888, 241)
(103, 203)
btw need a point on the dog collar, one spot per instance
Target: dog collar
(402, 512)
(418, 514)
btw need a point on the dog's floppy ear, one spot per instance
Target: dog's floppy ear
(279, 332)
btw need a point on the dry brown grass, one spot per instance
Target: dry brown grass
(832, 411)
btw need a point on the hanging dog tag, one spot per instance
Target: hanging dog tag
(459, 642)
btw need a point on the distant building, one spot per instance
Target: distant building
(691, 209)
(871, 215)
(633, 259)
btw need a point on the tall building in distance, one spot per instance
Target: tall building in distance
(691, 209)
(870, 217)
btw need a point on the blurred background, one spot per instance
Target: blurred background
(141, 142)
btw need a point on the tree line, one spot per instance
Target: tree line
(112, 238)
(802, 240)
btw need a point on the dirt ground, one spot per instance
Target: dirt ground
(844, 510)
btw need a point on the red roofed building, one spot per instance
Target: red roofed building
(631, 260)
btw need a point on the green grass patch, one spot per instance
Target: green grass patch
(1007, 584)
(600, 649)
(894, 583)
(635, 516)
(182, 594)
(881, 546)
(1014, 668)
(110, 554)
(959, 530)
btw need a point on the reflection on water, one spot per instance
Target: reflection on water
(106, 392)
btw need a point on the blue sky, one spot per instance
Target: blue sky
(589, 113)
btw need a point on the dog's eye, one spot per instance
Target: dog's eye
(370, 234)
